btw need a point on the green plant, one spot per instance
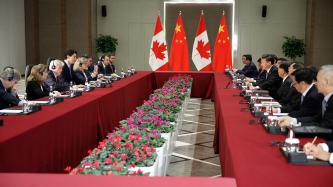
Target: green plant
(106, 44)
(293, 47)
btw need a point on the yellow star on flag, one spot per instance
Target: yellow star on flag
(221, 28)
(177, 29)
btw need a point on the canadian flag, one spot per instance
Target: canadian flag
(201, 49)
(158, 57)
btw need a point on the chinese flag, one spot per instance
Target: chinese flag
(179, 60)
(201, 48)
(222, 48)
(158, 57)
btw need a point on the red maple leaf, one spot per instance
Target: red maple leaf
(203, 49)
(158, 49)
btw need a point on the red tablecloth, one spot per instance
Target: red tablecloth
(50, 180)
(246, 152)
(60, 135)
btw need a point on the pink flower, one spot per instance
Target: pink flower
(123, 156)
(107, 161)
(96, 164)
(129, 145)
(118, 168)
(132, 165)
(115, 153)
(115, 164)
(110, 173)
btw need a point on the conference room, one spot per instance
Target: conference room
(166, 92)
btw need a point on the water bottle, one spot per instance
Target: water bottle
(122, 74)
(87, 86)
(51, 96)
(26, 107)
(133, 70)
(71, 89)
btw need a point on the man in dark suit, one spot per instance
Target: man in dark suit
(67, 71)
(112, 57)
(283, 91)
(324, 118)
(291, 101)
(310, 101)
(250, 69)
(272, 81)
(104, 66)
(8, 97)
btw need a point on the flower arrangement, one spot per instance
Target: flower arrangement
(134, 142)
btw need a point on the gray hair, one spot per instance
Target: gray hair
(78, 64)
(10, 74)
(327, 73)
(55, 63)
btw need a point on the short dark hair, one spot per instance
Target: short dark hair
(268, 58)
(303, 74)
(314, 70)
(259, 60)
(274, 57)
(248, 57)
(69, 52)
(284, 66)
(281, 59)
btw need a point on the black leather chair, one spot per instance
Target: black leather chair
(27, 72)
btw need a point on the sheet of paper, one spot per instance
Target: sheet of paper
(8, 111)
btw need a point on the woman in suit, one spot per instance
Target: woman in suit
(35, 88)
(81, 73)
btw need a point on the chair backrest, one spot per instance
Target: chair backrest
(27, 73)
(48, 61)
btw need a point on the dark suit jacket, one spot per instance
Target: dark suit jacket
(292, 101)
(79, 77)
(113, 68)
(34, 90)
(283, 91)
(7, 99)
(311, 104)
(105, 71)
(272, 83)
(249, 70)
(326, 121)
(67, 73)
(58, 84)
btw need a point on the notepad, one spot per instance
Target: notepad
(41, 102)
(8, 111)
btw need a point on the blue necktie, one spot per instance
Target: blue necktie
(323, 107)
(302, 98)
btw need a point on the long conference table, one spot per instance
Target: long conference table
(60, 135)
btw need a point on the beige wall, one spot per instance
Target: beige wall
(56, 25)
(258, 35)
(12, 34)
(132, 22)
(319, 29)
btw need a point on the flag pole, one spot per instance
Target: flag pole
(180, 12)
(202, 13)
(223, 12)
